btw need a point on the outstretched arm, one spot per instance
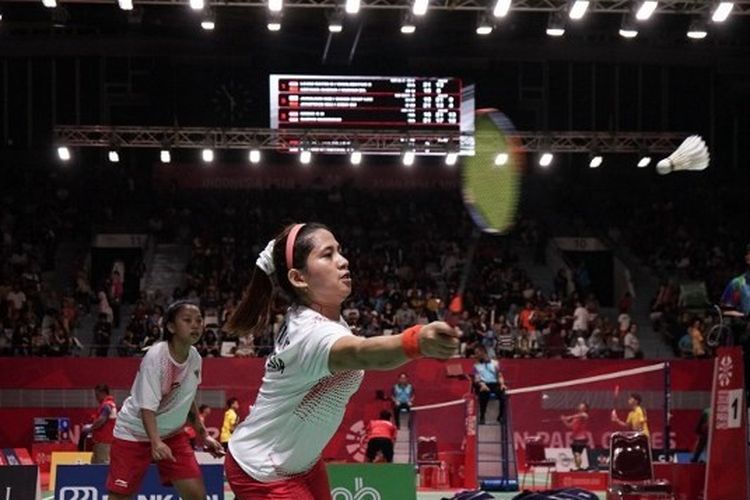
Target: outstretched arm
(435, 340)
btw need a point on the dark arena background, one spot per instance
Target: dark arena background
(149, 149)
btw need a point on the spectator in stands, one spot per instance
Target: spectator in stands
(488, 380)
(581, 318)
(636, 420)
(737, 292)
(231, 419)
(402, 396)
(102, 335)
(103, 425)
(697, 339)
(579, 349)
(381, 436)
(631, 344)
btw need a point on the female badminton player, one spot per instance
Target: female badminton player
(316, 366)
(149, 427)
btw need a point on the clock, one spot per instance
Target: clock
(231, 101)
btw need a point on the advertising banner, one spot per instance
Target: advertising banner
(87, 482)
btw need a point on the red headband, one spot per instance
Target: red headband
(290, 244)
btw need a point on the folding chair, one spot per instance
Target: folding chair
(535, 458)
(630, 469)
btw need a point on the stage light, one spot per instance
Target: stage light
(305, 156)
(722, 11)
(484, 25)
(165, 156)
(578, 10)
(596, 161)
(356, 157)
(197, 4)
(208, 155)
(502, 7)
(275, 5)
(546, 159)
(63, 153)
(645, 161)
(697, 30)
(501, 159)
(646, 9)
(352, 6)
(420, 7)
(113, 155)
(451, 158)
(125, 4)
(408, 158)
(254, 156)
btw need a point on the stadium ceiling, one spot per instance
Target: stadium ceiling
(741, 7)
(95, 136)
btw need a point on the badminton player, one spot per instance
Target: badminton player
(577, 424)
(636, 420)
(149, 427)
(316, 366)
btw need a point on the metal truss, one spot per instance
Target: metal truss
(741, 7)
(341, 141)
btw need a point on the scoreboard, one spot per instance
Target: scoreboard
(376, 103)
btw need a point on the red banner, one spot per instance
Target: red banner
(535, 413)
(727, 474)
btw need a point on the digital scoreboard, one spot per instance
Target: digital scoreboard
(366, 102)
(375, 103)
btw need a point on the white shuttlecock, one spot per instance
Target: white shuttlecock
(691, 155)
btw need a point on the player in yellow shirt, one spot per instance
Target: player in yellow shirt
(231, 419)
(636, 420)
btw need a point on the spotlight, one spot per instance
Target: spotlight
(420, 7)
(336, 22)
(114, 156)
(407, 24)
(501, 159)
(546, 159)
(501, 8)
(628, 28)
(254, 156)
(165, 156)
(697, 30)
(484, 25)
(197, 4)
(646, 9)
(125, 4)
(645, 161)
(275, 5)
(274, 21)
(408, 157)
(596, 161)
(305, 156)
(209, 20)
(722, 11)
(50, 4)
(63, 153)
(451, 158)
(355, 157)
(578, 9)
(352, 6)
(556, 24)
(208, 155)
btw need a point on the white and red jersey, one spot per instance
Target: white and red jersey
(163, 386)
(300, 403)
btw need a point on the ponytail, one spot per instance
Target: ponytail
(253, 314)
(254, 310)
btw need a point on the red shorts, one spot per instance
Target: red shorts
(129, 461)
(312, 485)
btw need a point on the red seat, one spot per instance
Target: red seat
(630, 469)
(535, 458)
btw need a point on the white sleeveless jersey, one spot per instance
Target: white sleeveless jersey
(163, 386)
(300, 403)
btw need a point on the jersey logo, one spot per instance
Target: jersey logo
(275, 364)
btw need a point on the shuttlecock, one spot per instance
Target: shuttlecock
(691, 155)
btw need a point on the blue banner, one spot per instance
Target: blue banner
(88, 482)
